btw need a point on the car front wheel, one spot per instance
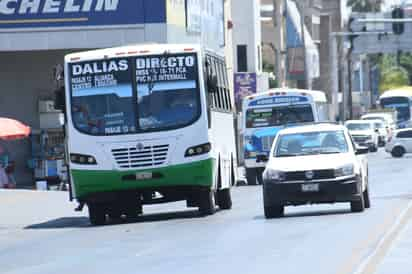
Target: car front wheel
(358, 205)
(398, 152)
(274, 211)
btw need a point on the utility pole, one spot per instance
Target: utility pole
(302, 27)
(279, 21)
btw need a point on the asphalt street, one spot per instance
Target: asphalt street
(41, 234)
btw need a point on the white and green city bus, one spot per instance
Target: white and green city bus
(149, 124)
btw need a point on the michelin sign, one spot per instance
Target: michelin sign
(71, 13)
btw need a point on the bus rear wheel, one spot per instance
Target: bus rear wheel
(254, 175)
(97, 214)
(207, 205)
(224, 199)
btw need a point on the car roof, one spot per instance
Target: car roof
(359, 121)
(312, 128)
(402, 129)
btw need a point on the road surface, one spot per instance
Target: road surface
(41, 234)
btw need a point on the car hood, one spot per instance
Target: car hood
(311, 162)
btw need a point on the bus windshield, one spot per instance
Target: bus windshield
(401, 104)
(276, 116)
(131, 95)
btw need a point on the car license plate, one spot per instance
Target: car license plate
(310, 187)
(144, 176)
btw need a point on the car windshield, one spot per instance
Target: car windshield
(311, 143)
(106, 100)
(276, 116)
(358, 126)
(378, 125)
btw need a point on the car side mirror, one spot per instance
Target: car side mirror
(361, 150)
(262, 158)
(212, 83)
(376, 130)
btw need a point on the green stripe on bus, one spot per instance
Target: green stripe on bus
(198, 173)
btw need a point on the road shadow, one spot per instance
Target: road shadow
(83, 222)
(64, 222)
(308, 214)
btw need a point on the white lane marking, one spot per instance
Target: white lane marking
(388, 238)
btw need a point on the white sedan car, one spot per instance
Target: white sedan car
(315, 164)
(400, 143)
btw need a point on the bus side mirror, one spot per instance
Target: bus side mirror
(212, 83)
(59, 99)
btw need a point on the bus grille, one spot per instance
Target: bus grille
(267, 142)
(148, 156)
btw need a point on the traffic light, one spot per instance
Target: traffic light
(398, 27)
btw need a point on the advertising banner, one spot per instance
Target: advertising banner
(194, 16)
(245, 84)
(18, 14)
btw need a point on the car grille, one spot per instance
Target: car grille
(360, 138)
(148, 156)
(267, 142)
(317, 175)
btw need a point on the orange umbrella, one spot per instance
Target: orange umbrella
(11, 129)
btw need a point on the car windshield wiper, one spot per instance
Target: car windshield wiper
(287, 155)
(330, 152)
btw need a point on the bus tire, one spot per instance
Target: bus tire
(97, 214)
(207, 205)
(251, 176)
(224, 199)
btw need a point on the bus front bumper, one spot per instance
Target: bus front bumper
(90, 182)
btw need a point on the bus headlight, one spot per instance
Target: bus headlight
(198, 150)
(82, 159)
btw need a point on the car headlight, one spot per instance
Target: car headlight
(273, 175)
(344, 171)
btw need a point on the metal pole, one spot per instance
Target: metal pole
(334, 88)
(349, 102)
(302, 27)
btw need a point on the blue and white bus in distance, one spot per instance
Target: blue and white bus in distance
(401, 100)
(264, 114)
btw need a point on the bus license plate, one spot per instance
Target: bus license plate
(144, 176)
(310, 187)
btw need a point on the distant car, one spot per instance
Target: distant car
(364, 133)
(382, 132)
(400, 143)
(386, 117)
(315, 164)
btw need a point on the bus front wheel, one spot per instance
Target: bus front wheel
(97, 214)
(207, 204)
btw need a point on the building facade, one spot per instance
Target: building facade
(35, 36)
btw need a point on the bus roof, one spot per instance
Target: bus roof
(130, 50)
(318, 96)
(399, 92)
